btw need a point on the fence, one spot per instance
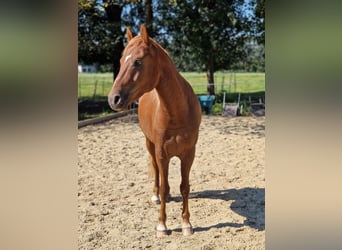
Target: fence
(94, 86)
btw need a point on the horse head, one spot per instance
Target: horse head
(138, 72)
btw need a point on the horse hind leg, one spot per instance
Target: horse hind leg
(186, 162)
(154, 169)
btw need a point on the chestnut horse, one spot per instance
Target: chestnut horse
(169, 115)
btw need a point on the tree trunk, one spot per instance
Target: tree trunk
(148, 17)
(210, 75)
(113, 12)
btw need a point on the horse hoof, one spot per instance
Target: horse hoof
(187, 230)
(161, 231)
(155, 199)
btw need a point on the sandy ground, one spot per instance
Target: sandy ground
(227, 193)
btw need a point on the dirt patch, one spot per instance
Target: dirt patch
(227, 193)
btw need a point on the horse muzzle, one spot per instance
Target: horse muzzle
(116, 102)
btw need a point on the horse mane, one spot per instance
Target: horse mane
(139, 40)
(159, 46)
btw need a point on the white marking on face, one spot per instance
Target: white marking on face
(135, 77)
(127, 57)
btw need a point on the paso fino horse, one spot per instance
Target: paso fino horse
(169, 115)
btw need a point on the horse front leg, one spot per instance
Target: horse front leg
(154, 171)
(186, 162)
(164, 189)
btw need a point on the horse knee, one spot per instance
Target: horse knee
(184, 189)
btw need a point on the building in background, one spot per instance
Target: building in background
(87, 68)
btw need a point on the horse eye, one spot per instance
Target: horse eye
(137, 63)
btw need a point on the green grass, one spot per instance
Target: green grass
(227, 82)
(98, 85)
(94, 85)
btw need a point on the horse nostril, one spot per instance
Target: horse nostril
(117, 99)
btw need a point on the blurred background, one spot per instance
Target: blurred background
(40, 52)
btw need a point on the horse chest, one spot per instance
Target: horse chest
(175, 143)
(176, 140)
(172, 133)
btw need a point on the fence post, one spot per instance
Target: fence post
(95, 87)
(224, 100)
(79, 87)
(103, 82)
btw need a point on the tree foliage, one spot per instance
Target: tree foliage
(99, 32)
(201, 35)
(205, 35)
(133, 15)
(259, 13)
(194, 30)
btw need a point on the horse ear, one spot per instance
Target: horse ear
(129, 34)
(143, 34)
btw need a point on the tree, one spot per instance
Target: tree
(207, 34)
(100, 28)
(201, 35)
(113, 11)
(99, 33)
(133, 15)
(259, 12)
(204, 33)
(148, 18)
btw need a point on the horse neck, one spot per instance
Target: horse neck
(172, 90)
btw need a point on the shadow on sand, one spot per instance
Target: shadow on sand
(247, 202)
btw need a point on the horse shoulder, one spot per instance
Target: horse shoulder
(146, 112)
